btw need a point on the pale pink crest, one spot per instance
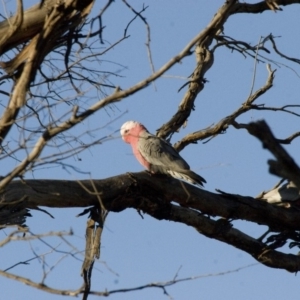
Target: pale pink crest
(131, 130)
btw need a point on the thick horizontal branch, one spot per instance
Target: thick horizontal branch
(154, 194)
(131, 190)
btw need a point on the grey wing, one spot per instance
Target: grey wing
(160, 153)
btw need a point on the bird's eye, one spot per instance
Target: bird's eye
(126, 130)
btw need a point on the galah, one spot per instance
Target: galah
(156, 154)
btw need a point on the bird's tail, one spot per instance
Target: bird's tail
(188, 176)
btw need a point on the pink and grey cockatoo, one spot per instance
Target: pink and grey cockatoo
(156, 154)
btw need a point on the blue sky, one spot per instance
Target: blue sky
(136, 251)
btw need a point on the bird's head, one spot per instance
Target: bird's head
(130, 131)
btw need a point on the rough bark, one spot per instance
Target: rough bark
(47, 32)
(32, 22)
(154, 194)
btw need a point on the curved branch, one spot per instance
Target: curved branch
(205, 60)
(106, 293)
(282, 108)
(223, 124)
(259, 7)
(236, 238)
(285, 166)
(289, 139)
(296, 60)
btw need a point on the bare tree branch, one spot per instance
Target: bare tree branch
(223, 124)
(205, 58)
(33, 54)
(118, 95)
(160, 285)
(285, 166)
(260, 7)
(123, 191)
(53, 52)
(29, 23)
